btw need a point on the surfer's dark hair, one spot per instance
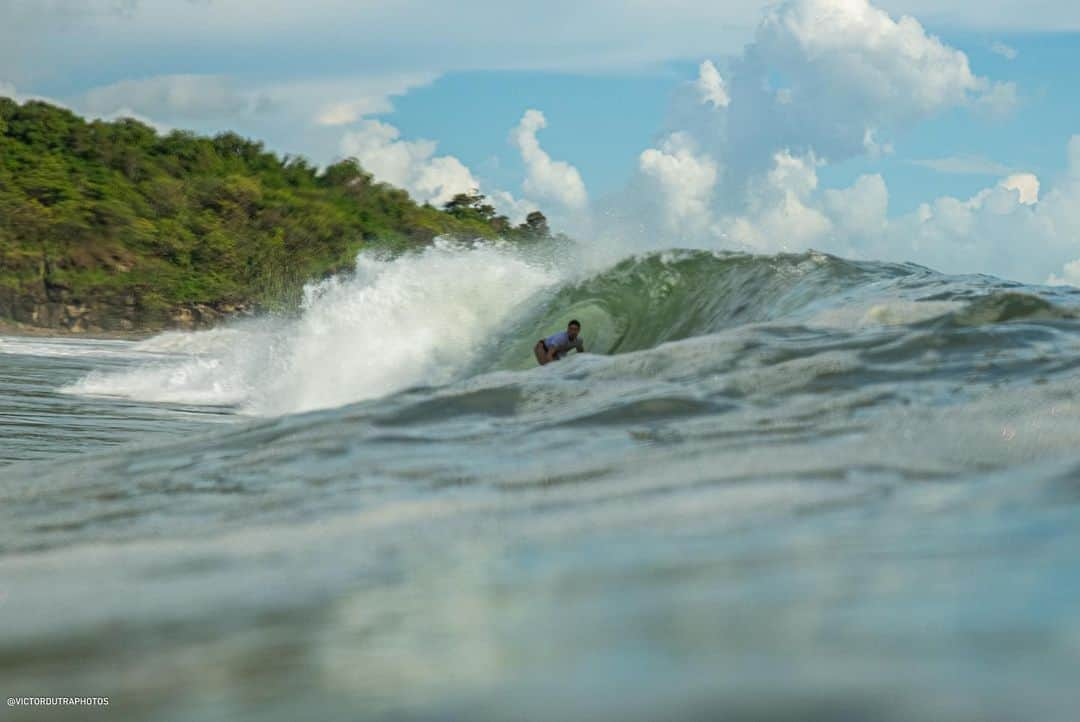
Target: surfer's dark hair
(574, 322)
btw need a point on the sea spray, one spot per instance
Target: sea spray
(418, 319)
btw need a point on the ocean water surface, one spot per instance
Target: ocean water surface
(778, 487)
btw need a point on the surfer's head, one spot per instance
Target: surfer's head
(573, 329)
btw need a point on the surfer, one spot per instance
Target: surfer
(554, 347)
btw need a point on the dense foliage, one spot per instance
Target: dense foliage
(94, 211)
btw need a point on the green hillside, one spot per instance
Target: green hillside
(111, 226)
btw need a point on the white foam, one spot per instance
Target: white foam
(420, 319)
(213, 340)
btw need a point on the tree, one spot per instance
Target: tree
(112, 210)
(345, 174)
(470, 206)
(535, 226)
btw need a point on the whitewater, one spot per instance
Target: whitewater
(777, 487)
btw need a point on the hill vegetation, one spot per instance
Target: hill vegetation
(112, 226)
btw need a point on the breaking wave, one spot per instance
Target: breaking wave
(449, 312)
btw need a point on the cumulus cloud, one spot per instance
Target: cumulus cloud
(546, 179)
(893, 62)
(779, 215)
(822, 81)
(711, 86)
(827, 80)
(1011, 229)
(408, 164)
(832, 76)
(684, 179)
(858, 212)
(1026, 186)
(347, 112)
(414, 166)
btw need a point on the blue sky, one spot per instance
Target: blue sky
(603, 121)
(834, 124)
(1029, 138)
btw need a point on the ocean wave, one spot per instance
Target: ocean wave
(450, 312)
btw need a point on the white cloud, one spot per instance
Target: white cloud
(345, 113)
(1014, 229)
(295, 117)
(516, 209)
(846, 71)
(179, 98)
(170, 96)
(1025, 184)
(418, 35)
(964, 165)
(1005, 51)
(408, 164)
(861, 211)
(413, 166)
(778, 215)
(338, 101)
(991, 232)
(685, 181)
(546, 179)
(711, 86)
(821, 82)
(892, 62)
(1070, 275)
(1011, 229)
